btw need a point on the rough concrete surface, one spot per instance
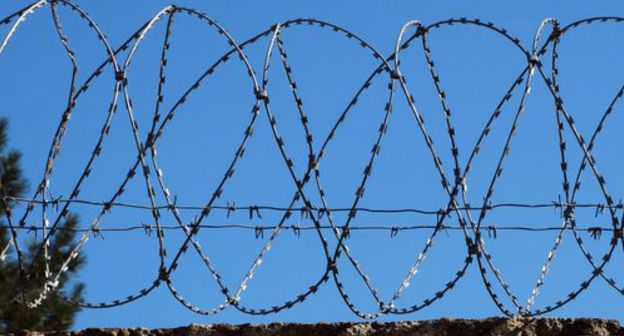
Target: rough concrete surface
(441, 327)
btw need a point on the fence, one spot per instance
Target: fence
(470, 218)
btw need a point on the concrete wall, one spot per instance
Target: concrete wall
(442, 327)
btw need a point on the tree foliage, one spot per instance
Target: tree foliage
(54, 313)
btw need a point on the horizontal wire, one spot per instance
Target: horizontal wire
(361, 227)
(233, 207)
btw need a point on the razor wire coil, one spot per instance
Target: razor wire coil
(471, 219)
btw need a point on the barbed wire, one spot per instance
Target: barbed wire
(254, 210)
(471, 220)
(492, 229)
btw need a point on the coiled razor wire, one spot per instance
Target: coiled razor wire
(322, 214)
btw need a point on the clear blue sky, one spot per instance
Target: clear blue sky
(475, 67)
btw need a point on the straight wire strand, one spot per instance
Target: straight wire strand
(490, 229)
(232, 208)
